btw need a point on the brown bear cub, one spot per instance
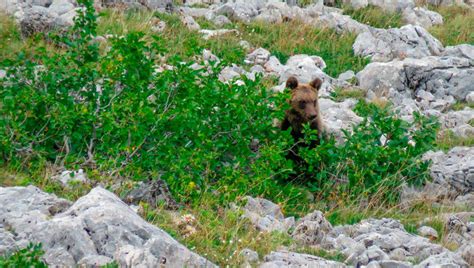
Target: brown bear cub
(304, 109)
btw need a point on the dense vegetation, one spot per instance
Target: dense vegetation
(69, 102)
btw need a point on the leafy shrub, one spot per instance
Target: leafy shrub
(382, 152)
(112, 111)
(118, 111)
(27, 257)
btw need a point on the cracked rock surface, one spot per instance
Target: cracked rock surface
(96, 229)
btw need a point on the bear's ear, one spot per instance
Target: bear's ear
(292, 82)
(316, 83)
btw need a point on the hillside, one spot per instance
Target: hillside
(147, 134)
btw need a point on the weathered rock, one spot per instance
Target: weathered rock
(453, 169)
(470, 98)
(338, 116)
(422, 17)
(357, 4)
(441, 76)
(312, 228)
(266, 216)
(151, 192)
(258, 56)
(458, 122)
(61, 7)
(346, 76)
(445, 259)
(249, 255)
(461, 51)
(190, 23)
(67, 177)
(239, 11)
(207, 34)
(408, 41)
(221, 20)
(292, 259)
(467, 253)
(37, 19)
(428, 232)
(389, 235)
(340, 23)
(97, 228)
(393, 5)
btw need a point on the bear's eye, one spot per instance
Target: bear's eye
(302, 104)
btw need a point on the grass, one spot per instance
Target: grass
(287, 39)
(376, 17)
(219, 233)
(334, 48)
(449, 140)
(341, 94)
(457, 27)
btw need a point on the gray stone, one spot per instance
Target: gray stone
(340, 23)
(266, 216)
(221, 20)
(357, 4)
(239, 11)
(444, 260)
(338, 116)
(245, 44)
(393, 5)
(428, 232)
(258, 56)
(408, 41)
(422, 17)
(394, 264)
(207, 34)
(440, 76)
(293, 260)
(151, 192)
(190, 23)
(249, 255)
(67, 177)
(61, 7)
(470, 98)
(312, 228)
(461, 51)
(453, 169)
(346, 76)
(96, 228)
(466, 251)
(37, 19)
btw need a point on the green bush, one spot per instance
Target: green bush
(110, 110)
(381, 153)
(27, 257)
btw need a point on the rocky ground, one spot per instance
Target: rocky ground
(409, 67)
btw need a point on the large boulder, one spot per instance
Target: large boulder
(441, 76)
(340, 23)
(338, 116)
(96, 229)
(453, 169)
(408, 41)
(266, 216)
(422, 17)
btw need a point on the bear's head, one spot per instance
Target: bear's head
(304, 98)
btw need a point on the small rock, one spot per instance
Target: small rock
(470, 98)
(249, 255)
(258, 56)
(346, 76)
(428, 232)
(245, 44)
(221, 20)
(151, 192)
(190, 23)
(207, 34)
(312, 228)
(67, 177)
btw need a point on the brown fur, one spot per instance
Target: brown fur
(304, 109)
